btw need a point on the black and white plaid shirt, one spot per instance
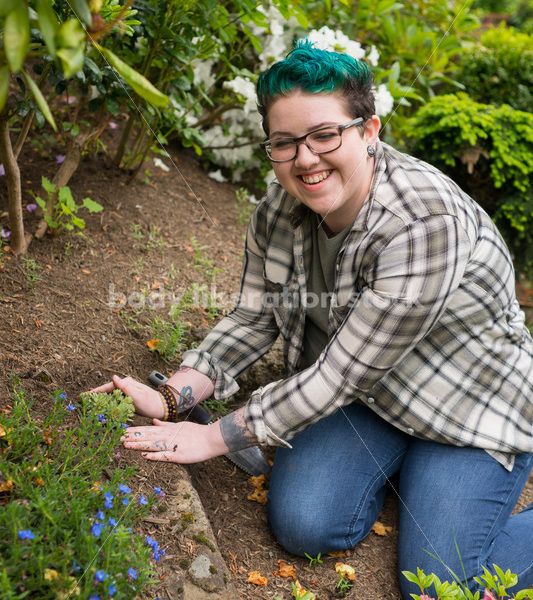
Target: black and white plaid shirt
(424, 325)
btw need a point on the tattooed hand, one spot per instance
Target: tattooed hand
(172, 442)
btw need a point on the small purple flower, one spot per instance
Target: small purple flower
(96, 529)
(101, 418)
(108, 496)
(112, 589)
(60, 158)
(132, 573)
(108, 504)
(71, 406)
(125, 425)
(112, 522)
(100, 515)
(143, 501)
(150, 541)
(76, 566)
(112, 125)
(125, 501)
(62, 395)
(31, 207)
(157, 556)
(158, 491)
(5, 233)
(26, 534)
(124, 489)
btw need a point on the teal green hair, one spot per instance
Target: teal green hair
(317, 71)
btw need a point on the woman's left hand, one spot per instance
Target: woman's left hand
(182, 442)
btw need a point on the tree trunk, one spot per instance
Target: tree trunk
(19, 242)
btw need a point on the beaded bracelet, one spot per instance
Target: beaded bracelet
(165, 407)
(172, 406)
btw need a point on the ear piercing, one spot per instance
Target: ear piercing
(371, 151)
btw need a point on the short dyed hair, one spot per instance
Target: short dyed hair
(313, 70)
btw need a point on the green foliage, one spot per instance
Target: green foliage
(170, 336)
(115, 406)
(456, 590)
(488, 150)
(31, 271)
(244, 207)
(499, 70)
(64, 214)
(63, 534)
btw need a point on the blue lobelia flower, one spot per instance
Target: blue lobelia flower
(112, 589)
(158, 491)
(96, 529)
(124, 488)
(132, 573)
(100, 515)
(71, 406)
(26, 534)
(143, 500)
(100, 575)
(112, 522)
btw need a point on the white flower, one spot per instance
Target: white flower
(203, 75)
(159, 163)
(384, 100)
(217, 176)
(373, 56)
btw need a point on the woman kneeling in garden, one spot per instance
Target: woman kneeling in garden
(405, 347)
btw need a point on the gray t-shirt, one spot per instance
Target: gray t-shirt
(320, 285)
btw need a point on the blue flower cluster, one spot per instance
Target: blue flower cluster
(157, 551)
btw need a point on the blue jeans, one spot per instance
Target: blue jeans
(327, 492)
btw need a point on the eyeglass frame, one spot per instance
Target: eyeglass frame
(299, 140)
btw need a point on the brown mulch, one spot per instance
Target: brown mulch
(60, 332)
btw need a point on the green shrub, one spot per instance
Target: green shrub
(488, 150)
(63, 534)
(499, 70)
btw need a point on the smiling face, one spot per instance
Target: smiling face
(334, 185)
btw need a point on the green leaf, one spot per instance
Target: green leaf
(4, 86)
(39, 98)
(16, 36)
(71, 60)
(48, 186)
(91, 205)
(81, 8)
(48, 24)
(78, 222)
(70, 34)
(41, 203)
(6, 6)
(411, 577)
(137, 81)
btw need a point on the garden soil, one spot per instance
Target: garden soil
(62, 325)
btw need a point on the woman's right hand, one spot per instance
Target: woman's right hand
(146, 400)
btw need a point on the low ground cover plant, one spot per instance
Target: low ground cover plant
(66, 530)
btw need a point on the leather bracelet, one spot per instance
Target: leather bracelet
(172, 405)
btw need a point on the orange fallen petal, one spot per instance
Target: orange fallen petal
(6, 486)
(257, 579)
(153, 344)
(345, 571)
(381, 529)
(285, 570)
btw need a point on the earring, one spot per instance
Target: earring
(371, 151)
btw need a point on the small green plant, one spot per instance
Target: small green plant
(60, 208)
(203, 262)
(343, 585)
(169, 336)
(63, 534)
(216, 407)
(31, 271)
(67, 250)
(147, 177)
(114, 406)
(244, 207)
(316, 560)
(149, 241)
(456, 590)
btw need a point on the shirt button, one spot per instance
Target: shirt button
(410, 431)
(371, 401)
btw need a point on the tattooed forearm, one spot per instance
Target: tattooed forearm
(186, 399)
(235, 433)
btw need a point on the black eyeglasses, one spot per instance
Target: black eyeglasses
(319, 141)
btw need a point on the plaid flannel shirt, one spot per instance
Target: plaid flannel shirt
(424, 325)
